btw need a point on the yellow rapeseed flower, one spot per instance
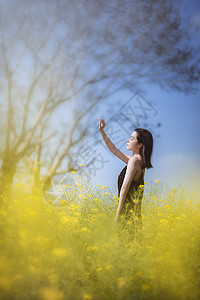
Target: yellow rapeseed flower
(96, 199)
(149, 247)
(3, 212)
(64, 220)
(164, 221)
(23, 233)
(33, 269)
(184, 215)
(94, 209)
(160, 258)
(139, 273)
(18, 277)
(53, 278)
(94, 248)
(87, 297)
(107, 245)
(121, 282)
(145, 287)
(77, 213)
(108, 267)
(48, 293)
(5, 283)
(129, 222)
(85, 229)
(135, 201)
(60, 252)
(167, 206)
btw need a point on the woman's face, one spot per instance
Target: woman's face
(132, 142)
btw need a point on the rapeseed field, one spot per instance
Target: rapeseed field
(74, 250)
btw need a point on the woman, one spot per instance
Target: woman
(131, 178)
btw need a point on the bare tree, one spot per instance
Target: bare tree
(59, 53)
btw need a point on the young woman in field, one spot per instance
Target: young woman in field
(131, 178)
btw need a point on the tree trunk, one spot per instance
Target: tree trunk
(6, 180)
(37, 182)
(46, 183)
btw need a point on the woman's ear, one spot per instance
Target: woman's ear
(140, 147)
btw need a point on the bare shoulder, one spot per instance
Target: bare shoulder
(134, 160)
(135, 163)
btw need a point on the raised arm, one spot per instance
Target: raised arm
(124, 157)
(107, 141)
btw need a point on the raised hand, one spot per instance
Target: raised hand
(102, 124)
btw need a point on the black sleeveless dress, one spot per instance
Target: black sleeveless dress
(134, 196)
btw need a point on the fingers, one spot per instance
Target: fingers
(102, 123)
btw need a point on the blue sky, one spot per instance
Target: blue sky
(175, 158)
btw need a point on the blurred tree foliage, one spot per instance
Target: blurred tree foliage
(77, 54)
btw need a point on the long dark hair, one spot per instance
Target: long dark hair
(145, 137)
